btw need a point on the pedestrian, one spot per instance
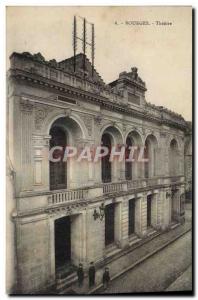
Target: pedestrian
(80, 274)
(92, 272)
(106, 278)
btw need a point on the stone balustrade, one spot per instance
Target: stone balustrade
(67, 195)
(63, 196)
(113, 187)
(135, 184)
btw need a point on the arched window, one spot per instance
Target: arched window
(128, 164)
(146, 156)
(58, 170)
(150, 154)
(173, 158)
(106, 164)
(134, 168)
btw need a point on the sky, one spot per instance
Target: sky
(162, 53)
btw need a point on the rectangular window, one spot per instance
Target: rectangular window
(131, 216)
(133, 99)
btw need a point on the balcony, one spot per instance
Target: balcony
(92, 192)
(113, 187)
(64, 196)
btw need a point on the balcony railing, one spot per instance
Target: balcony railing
(135, 184)
(113, 187)
(65, 196)
(152, 181)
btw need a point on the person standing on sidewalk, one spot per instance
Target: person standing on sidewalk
(106, 278)
(92, 272)
(80, 274)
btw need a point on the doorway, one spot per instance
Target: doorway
(109, 224)
(149, 199)
(131, 216)
(62, 242)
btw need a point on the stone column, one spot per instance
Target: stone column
(125, 224)
(141, 215)
(163, 166)
(41, 162)
(78, 238)
(176, 203)
(81, 170)
(118, 225)
(51, 248)
(154, 210)
(33, 260)
(95, 235)
(98, 121)
(26, 109)
(165, 208)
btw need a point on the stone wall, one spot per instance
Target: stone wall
(33, 253)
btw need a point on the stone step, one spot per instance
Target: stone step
(174, 225)
(134, 239)
(64, 283)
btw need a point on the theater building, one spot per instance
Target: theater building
(60, 214)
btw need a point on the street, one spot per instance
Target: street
(158, 272)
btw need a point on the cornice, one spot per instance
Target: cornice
(63, 88)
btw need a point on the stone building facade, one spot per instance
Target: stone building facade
(94, 209)
(188, 149)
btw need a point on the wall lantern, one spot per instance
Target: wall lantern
(168, 194)
(99, 214)
(174, 188)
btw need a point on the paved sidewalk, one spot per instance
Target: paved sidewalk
(132, 258)
(156, 273)
(183, 282)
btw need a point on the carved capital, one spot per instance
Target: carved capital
(26, 106)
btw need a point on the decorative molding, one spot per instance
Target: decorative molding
(68, 112)
(113, 123)
(163, 134)
(124, 127)
(68, 209)
(143, 131)
(41, 112)
(41, 140)
(26, 106)
(88, 123)
(98, 119)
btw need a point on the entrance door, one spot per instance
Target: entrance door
(109, 224)
(172, 207)
(149, 199)
(131, 216)
(62, 241)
